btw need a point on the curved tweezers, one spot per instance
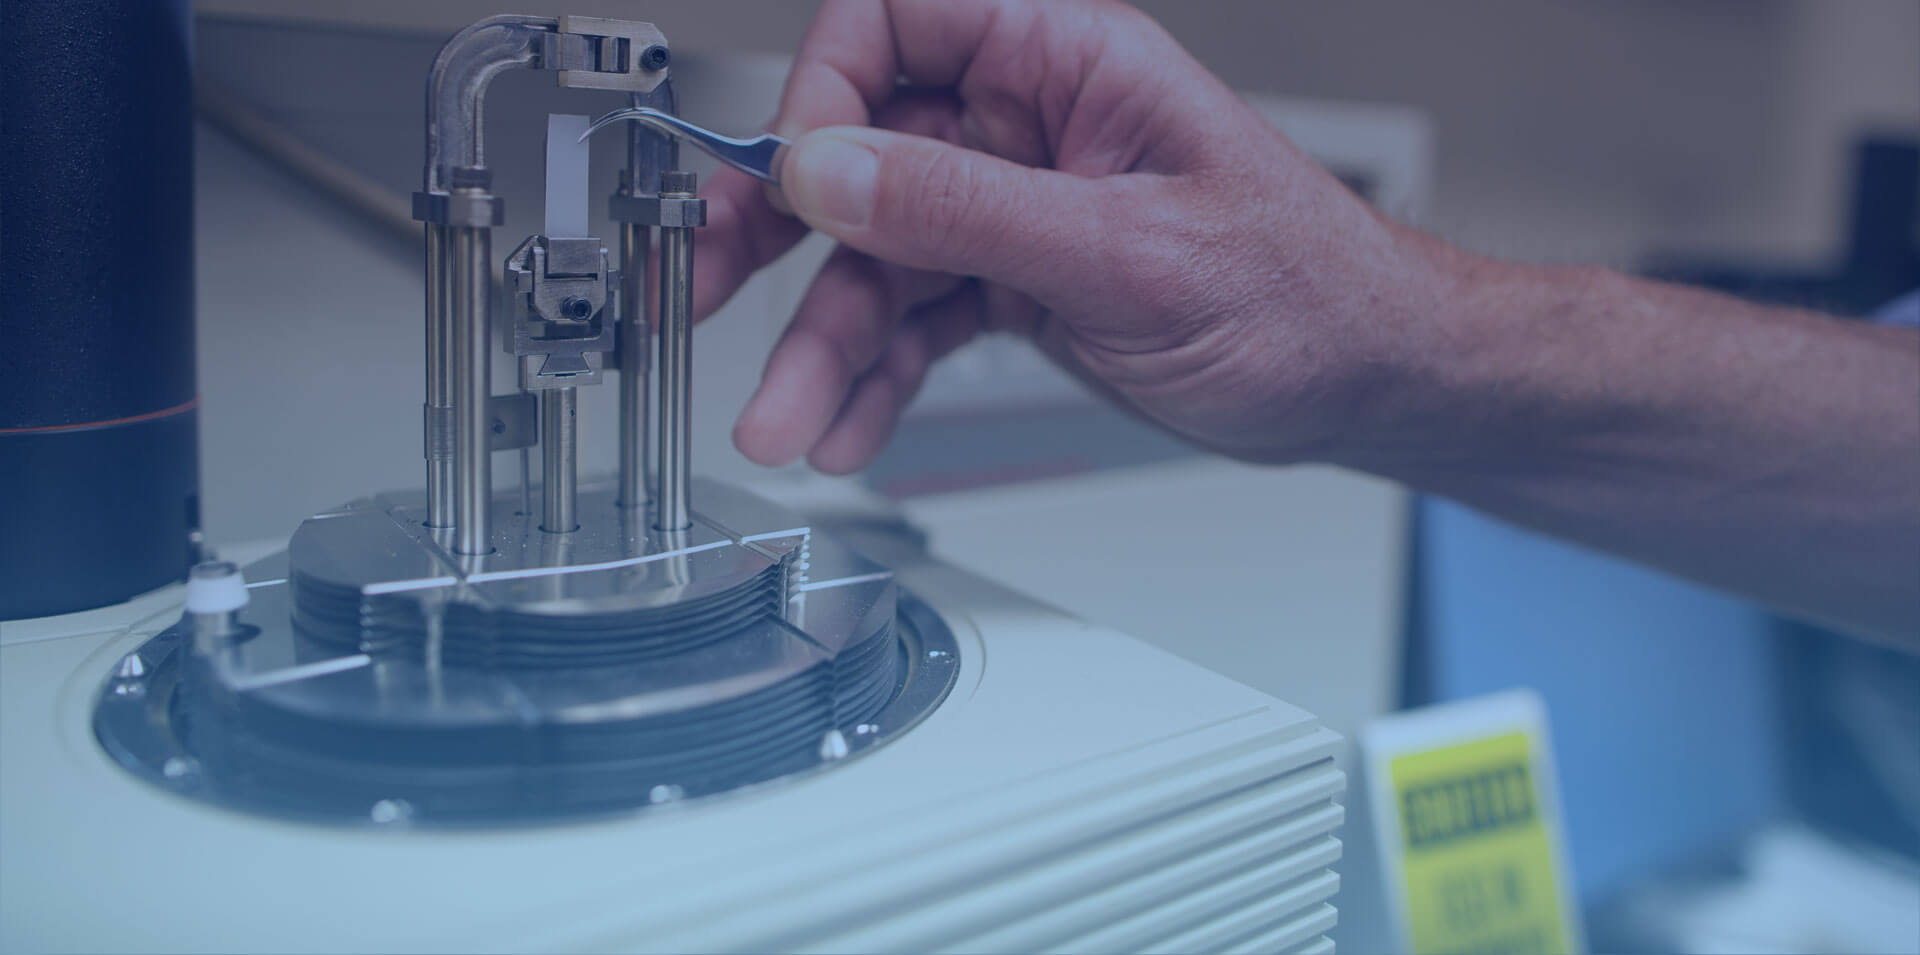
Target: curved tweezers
(754, 156)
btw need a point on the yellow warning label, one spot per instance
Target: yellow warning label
(1476, 855)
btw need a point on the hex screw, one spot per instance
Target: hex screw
(655, 58)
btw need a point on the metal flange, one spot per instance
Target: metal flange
(667, 211)
(478, 210)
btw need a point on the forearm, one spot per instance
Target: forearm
(1770, 452)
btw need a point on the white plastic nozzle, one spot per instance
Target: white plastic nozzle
(216, 587)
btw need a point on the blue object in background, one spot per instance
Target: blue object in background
(1662, 695)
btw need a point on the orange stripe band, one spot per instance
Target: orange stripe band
(181, 408)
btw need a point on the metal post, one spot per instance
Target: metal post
(674, 510)
(472, 253)
(648, 154)
(635, 356)
(439, 413)
(559, 482)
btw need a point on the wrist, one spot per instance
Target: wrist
(1457, 386)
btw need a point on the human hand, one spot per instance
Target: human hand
(1064, 171)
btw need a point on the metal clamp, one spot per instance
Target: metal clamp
(619, 55)
(563, 330)
(512, 423)
(673, 212)
(473, 209)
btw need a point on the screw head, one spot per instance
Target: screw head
(655, 58)
(576, 308)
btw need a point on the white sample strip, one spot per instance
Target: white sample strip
(845, 581)
(566, 175)
(305, 671)
(485, 576)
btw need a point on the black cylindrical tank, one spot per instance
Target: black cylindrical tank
(99, 478)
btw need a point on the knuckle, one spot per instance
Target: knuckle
(1176, 265)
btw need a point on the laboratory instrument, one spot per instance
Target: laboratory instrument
(649, 712)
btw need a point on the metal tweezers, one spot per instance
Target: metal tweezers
(754, 156)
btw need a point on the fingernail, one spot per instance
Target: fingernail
(830, 179)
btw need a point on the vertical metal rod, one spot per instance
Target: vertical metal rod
(472, 253)
(559, 480)
(526, 485)
(673, 509)
(439, 414)
(635, 356)
(648, 155)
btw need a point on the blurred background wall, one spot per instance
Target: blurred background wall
(1568, 130)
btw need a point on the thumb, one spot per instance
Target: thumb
(927, 204)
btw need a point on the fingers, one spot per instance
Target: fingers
(749, 225)
(841, 329)
(867, 420)
(857, 50)
(743, 233)
(931, 205)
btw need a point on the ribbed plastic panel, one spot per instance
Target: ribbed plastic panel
(1319, 946)
(1245, 869)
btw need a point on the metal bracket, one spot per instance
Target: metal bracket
(476, 210)
(620, 55)
(672, 212)
(563, 329)
(513, 423)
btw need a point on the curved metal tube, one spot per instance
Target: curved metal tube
(458, 83)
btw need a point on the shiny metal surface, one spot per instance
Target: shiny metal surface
(672, 509)
(588, 52)
(757, 156)
(561, 326)
(559, 479)
(447, 656)
(635, 357)
(458, 82)
(276, 674)
(639, 64)
(648, 154)
(438, 434)
(472, 385)
(477, 54)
